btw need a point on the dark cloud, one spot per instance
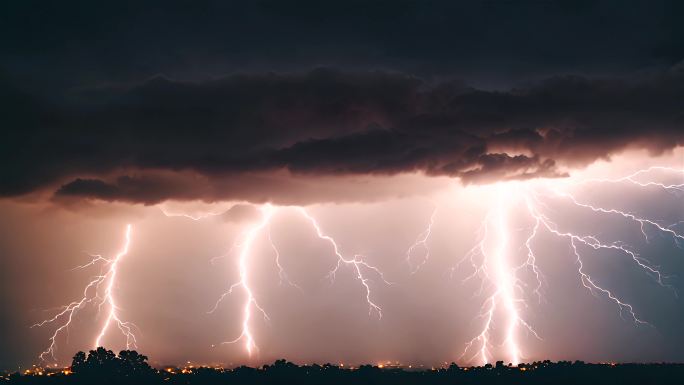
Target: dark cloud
(61, 45)
(281, 187)
(84, 106)
(146, 189)
(128, 143)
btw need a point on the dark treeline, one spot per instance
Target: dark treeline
(102, 366)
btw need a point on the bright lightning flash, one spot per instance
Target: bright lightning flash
(498, 271)
(492, 264)
(99, 291)
(359, 266)
(243, 268)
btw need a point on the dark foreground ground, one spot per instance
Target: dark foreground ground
(104, 367)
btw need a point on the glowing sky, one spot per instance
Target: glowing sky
(345, 194)
(171, 277)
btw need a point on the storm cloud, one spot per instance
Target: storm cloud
(182, 118)
(158, 140)
(256, 100)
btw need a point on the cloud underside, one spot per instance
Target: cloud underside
(324, 135)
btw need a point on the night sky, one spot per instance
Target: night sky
(375, 117)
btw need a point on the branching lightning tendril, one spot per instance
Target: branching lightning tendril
(357, 263)
(495, 268)
(506, 282)
(492, 265)
(421, 243)
(99, 291)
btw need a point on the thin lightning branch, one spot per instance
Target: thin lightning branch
(531, 261)
(282, 274)
(357, 263)
(643, 222)
(421, 243)
(589, 283)
(487, 313)
(631, 179)
(489, 305)
(91, 294)
(594, 243)
(472, 256)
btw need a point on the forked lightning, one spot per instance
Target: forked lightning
(100, 291)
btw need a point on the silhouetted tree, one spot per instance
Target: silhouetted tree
(133, 363)
(102, 367)
(78, 362)
(101, 360)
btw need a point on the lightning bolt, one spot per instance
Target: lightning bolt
(99, 291)
(631, 178)
(593, 243)
(356, 263)
(250, 303)
(421, 243)
(491, 263)
(642, 222)
(282, 274)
